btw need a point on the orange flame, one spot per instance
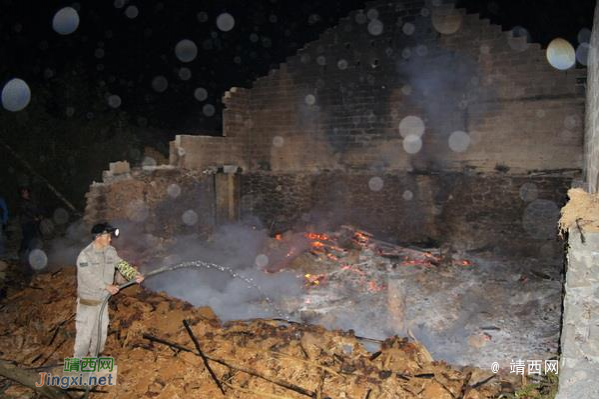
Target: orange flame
(314, 279)
(362, 238)
(316, 236)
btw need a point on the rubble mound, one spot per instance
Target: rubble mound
(581, 211)
(158, 358)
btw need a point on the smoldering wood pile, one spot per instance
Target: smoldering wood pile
(157, 355)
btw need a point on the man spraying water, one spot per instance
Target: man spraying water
(96, 266)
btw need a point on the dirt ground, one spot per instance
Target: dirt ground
(251, 359)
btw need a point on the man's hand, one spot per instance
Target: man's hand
(113, 289)
(139, 278)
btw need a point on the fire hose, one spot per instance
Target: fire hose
(165, 269)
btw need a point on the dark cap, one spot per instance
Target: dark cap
(104, 228)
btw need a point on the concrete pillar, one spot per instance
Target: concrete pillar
(227, 193)
(579, 362)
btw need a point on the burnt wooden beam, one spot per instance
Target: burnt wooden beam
(29, 378)
(280, 383)
(204, 359)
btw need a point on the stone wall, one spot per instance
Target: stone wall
(204, 152)
(499, 212)
(339, 103)
(592, 111)
(426, 101)
(161, 201)
(323, 201)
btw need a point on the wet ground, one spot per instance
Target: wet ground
(492, 310)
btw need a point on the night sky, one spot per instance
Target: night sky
(127, 48)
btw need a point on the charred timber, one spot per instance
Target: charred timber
(287, 385)
(204, 359)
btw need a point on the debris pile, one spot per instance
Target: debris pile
(469, 308)
(581, 211)
(157, 354)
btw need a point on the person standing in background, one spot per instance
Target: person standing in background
(3, 224)
(30, 217)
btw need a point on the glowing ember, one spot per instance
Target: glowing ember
(314, 279)
(278, 237)
(374, 287)
(316, 236)
(361, 237)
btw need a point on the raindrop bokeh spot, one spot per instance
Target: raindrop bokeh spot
(261, 261)
(561, 54)
(60, 216)
(159, 84)
(38, 259)
(225, 22)
(375, 183)
(518, 39)
(173, 190)
(186, 50)
(114, 101)
(208, 110)
(582, 53)
(189, 217)
(411, 125)
(459, 141)
(412, 144)
(15, 95)
(184, 73)
(447, 21)
(132, 12)
(200, 94)
(65, 21)
(375, 27)
(408, 28)
(529, 192)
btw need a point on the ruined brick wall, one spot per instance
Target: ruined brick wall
(201, 152)
(405, 99)
(399, 211)
(158, 201)
(508, 214)
(471, 212)
(327, 122)
(339, 102)
(592, 111)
